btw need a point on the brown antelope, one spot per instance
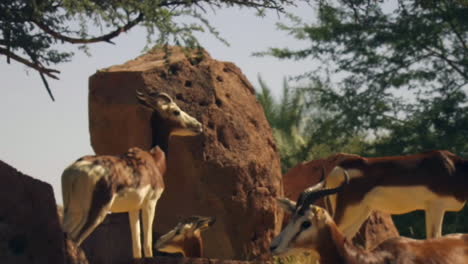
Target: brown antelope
(435, 181)
(186, 238)
(312, 228)
(95, 185)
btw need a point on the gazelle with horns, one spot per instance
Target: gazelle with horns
(312, 228)
(95, 185)
(186, 238)
(435, 181)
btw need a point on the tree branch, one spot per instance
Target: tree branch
(37, 66)
(46, 84)
(458, 35)
(105, 38)
(452, 63)
(453, 27)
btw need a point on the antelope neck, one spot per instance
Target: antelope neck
(331, 246)
(193, 247)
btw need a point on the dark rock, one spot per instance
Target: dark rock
(29, 227)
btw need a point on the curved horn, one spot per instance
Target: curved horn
(313, 189)
(319, 186)
(152, 99)
(311, 197)
(325, 192)
(141, 98)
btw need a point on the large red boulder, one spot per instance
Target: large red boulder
(30, 231)
(377, 228)
(231, 171)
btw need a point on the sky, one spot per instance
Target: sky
(41, 138)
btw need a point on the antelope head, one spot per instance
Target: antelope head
(304, 229)
(186, 234)
(183, 124)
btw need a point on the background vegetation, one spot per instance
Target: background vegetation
(391, 79)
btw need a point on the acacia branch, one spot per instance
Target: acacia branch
(105, 38)
(268, 4)
(458, 35)
(452, 63)
(46, 84)
(37, 66)
(453, 27)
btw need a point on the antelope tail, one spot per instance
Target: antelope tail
(77, 190)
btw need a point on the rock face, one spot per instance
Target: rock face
(111, 242)
(231, 171)
(377, 228)
(29, 227)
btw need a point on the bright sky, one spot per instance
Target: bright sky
(40, 137)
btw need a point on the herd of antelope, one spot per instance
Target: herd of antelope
(435, 181)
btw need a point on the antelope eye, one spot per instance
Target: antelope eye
(176, 112)
(305, 225)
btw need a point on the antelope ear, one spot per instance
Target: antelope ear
(212, 221)
(286, 204)
(155, 149)
(319, 212)
(205, 222)
(153, 100)
(163, 100)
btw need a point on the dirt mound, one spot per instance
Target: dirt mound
(231, 171)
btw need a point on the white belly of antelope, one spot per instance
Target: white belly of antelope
(400, 200)
(130, 199)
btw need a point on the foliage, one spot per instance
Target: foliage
(414, 44)
(284, 118)
(31, 30)
(394, 72)
(375, 51)
(302, 129)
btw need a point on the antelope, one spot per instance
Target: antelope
(312, 228)
(186, 238)
(434, 181)
(95, 185)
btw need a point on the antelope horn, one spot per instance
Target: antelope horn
(157, 97)
(337, 189)
(311, 197)
(319, 186)
(141, 98)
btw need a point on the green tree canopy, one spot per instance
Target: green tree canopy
(30, 31)
(387, 61)
(395, 72)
